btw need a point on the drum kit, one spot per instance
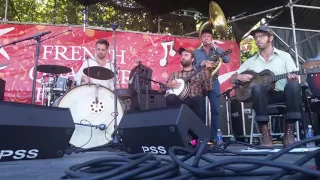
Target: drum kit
(91, 105)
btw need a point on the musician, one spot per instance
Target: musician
(102, 60)
(202, 56)
(287, 90)
(201, 81)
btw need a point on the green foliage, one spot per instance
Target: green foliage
(101, 14)
(248, 49)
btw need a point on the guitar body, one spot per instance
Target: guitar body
(182, 91)
(243, 93)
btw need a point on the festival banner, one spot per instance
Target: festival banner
(69, 49)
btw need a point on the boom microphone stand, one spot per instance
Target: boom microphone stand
(36, 37)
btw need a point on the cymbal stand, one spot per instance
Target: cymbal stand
(43, 86)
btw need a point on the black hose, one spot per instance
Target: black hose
(149, 167)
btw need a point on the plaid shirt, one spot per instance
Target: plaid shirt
(198, 83)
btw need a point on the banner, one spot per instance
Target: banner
(159, 52)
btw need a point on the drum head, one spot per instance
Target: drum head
(91, 105)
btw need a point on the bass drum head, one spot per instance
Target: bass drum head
(84, 108)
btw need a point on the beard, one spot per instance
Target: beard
(185, 63)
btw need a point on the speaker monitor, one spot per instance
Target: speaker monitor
(150, 101)
(2, 88)
(155, 131)
(33, 132)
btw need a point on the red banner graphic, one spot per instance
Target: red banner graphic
(159, 52)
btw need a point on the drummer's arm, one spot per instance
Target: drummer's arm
(79, 74)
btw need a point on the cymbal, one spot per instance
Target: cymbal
(53, 69)
(98, 72)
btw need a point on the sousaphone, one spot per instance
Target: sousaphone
(218, 22)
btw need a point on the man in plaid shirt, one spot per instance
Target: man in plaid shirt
(199, 83)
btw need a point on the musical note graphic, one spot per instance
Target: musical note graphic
(171, 52)
(24, 72)
(24, 44)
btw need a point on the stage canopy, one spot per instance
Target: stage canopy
(304, 18)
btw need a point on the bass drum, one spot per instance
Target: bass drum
(91, 105)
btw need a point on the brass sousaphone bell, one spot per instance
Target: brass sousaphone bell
(219, 23)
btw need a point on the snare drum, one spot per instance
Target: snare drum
(91, 105)
(61, 85)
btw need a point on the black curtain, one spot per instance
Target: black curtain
(308, 49)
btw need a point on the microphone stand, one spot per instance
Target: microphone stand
(115, 139)
(36, 37)
(232, 139)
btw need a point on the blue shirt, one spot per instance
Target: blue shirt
(201, 55)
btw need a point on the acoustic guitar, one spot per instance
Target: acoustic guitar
(184, 89)
(268, 79)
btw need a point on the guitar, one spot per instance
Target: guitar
(184, 89)
(268, 79)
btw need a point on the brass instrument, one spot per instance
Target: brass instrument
(219, 23)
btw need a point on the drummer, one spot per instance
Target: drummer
(102, 60)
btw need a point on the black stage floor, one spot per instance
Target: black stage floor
(54, 168)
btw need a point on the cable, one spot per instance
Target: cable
(148, 166)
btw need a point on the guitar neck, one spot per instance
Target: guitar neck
(284, 76)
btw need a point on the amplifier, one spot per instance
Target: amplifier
(241, 115)
(314, 102)
(34, 132)
(151, 101)
(155, 131)
(2, 89)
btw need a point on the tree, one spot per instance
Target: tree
(101, 14)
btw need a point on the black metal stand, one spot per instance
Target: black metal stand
(37, 37)
(115, 139)
(226, 94)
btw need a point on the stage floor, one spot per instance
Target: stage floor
(53, 169)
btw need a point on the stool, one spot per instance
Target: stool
(274, 110)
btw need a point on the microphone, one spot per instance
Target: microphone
(100, 126)
(84, 19)
(88, 58)
(239, 15)
(131, 79)
(71, 31)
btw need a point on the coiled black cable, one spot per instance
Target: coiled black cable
(148, 166)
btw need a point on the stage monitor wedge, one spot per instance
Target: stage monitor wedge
(33, 132)
(155, 131)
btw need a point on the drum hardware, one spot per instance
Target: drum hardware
(98, 72)
(53, 69)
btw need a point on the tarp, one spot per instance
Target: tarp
(158, 52)
(304, 18)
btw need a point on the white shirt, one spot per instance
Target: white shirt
(106, 83)
(280, 62)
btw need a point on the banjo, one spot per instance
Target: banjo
(184, 89)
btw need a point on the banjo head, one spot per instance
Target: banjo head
(177, 91)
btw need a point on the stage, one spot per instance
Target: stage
(53, 169)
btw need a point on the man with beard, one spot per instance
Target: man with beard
(202, 55)
(286, 90)
(102, 60)
(200, 82)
